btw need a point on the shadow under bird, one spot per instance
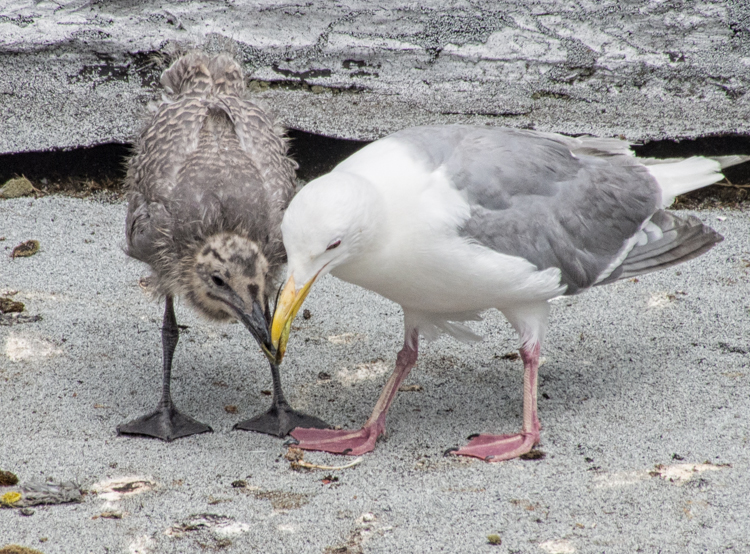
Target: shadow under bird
(207, 187)
(449, 221)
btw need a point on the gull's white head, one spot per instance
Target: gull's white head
(330, 222)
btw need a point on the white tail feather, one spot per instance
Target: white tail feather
(728, 161)
(683, 176)
(725, 161)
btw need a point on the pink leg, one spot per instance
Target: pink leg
(363, 440)
(496, 448)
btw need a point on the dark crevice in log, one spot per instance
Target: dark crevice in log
(105, 164)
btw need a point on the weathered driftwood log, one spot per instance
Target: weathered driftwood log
(77, 73)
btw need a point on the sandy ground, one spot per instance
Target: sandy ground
(643, 400)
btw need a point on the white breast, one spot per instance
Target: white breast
(421, 262)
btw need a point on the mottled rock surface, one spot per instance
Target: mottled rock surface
(78, 73)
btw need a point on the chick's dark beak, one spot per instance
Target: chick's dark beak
(256, 323)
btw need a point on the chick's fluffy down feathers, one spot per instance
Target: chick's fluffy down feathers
(209, 161)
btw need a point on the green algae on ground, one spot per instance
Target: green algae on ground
(18, 549)
(9, 499)
(494, 539)
(16, 188)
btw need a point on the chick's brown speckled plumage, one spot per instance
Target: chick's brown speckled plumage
(207, 187)
(209, 162)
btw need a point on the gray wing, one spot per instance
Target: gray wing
(555, 201)
(671, 240)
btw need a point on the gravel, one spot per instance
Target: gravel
(643, 400)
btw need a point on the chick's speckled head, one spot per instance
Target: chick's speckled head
(226, 275)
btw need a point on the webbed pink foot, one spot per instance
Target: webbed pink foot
(339, 441)
(496, 448)
(361, 441)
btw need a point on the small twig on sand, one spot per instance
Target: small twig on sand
(729, 183)
(302, 464)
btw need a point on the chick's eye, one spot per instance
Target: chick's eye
(218, 281)
(333, 245)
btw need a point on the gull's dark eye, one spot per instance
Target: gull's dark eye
(218, 281)
(333, 245)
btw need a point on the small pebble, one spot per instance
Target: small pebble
(25, 249)
(8, 479)
(533, 455)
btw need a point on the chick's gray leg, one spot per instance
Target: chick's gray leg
(166, 422)
(281, 418)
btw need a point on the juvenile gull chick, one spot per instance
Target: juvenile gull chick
(207, 188)
(449, 221)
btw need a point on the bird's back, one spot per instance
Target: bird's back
(208, 161)
(558, 202)
(491, 217)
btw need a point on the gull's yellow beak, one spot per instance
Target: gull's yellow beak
(287, 307)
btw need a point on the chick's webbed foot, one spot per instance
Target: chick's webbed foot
(279, 420)
(166, 423)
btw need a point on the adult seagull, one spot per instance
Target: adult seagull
(449, 221)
